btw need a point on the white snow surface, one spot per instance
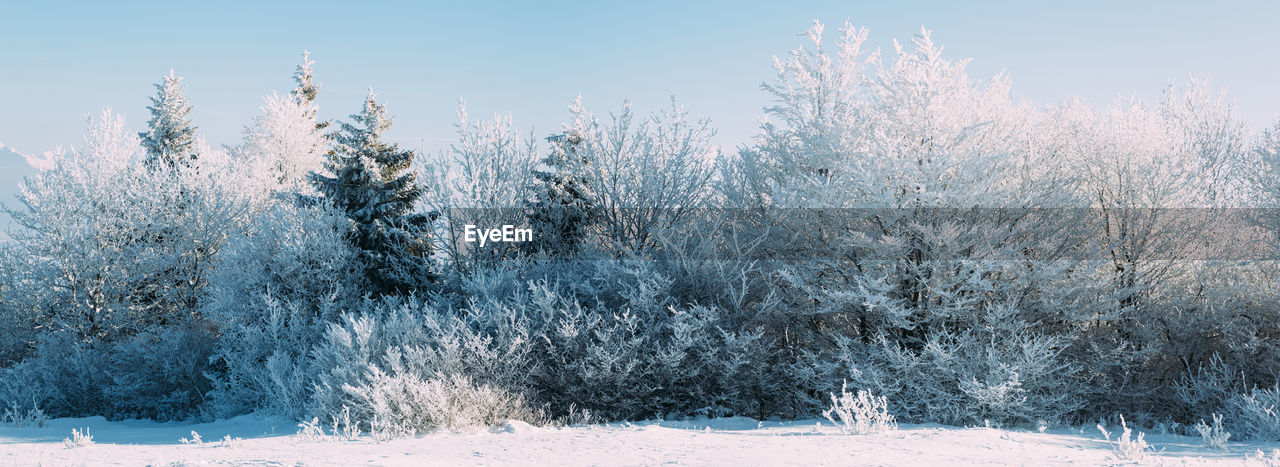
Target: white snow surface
(727, 441)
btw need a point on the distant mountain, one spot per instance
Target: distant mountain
(13, 167)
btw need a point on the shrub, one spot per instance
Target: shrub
(276, 286)
(64, 376)
(998, 369)
(1215, 436)
(1256, 414)
(32, 416)
(78, 439)
(160, 374)
(860, 415)
(405, 367)
(1130, 448)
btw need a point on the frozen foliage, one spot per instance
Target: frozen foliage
(860, 415)
(281, 148)
(285, 143)
(403, 367)
(345, 428)
(413, 367)
(1269, 460)
(310, 430)
(857, 133)
(646, 177)
(21, 416)
(228, 442)
(307, 89)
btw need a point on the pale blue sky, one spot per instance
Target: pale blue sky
(62, 60)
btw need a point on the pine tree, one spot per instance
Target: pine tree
(561, 209)
(171, 153)
(170, 137)
(305, 93)
(371, 182)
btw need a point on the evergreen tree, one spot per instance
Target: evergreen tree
(561, 209)
(170, 144)
(305, 93)
(370, 181)
(170, 137)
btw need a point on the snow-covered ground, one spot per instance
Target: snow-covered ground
(732, 441)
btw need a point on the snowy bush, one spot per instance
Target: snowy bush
(157, 374)
(276, 286)
(64, 376)
(21, 416)
(1009, 375)
(310, 430)
(637, 353)
(1208, 387)
(115, 250)
(1128, 447)
(228, 442)
(343, 427)
(1256, 414)
(1269, 460)
(78, 439)
(409, 368)
(160, 374)
(860, 415)
(194, 439)
(106, 253)
(407, 405)
(1215, 436)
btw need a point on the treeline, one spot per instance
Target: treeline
(316, 270)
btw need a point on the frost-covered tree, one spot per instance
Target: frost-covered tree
(283, 144)
(113, 270)
(170, 137)
(372, 183)
(1160, 178)
(562, 206)
(647, 177)
(112, 253)
(281, 148)
(483, 182)
(899, 194)
(820, 124)
(1265, 180)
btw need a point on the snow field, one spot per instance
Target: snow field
(728, 441)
